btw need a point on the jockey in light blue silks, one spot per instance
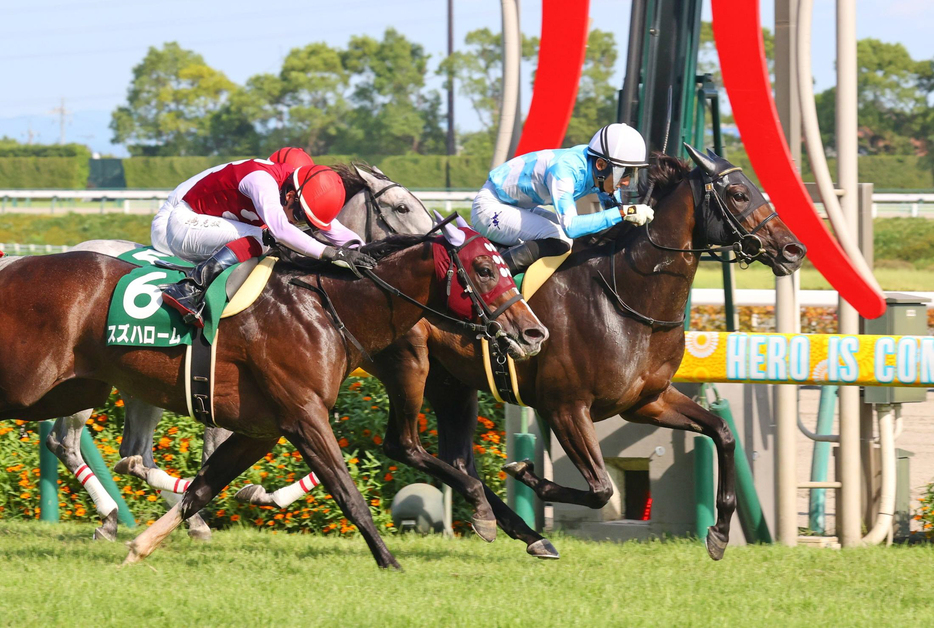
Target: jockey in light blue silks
(509, 208)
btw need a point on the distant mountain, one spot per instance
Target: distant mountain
(84, 127)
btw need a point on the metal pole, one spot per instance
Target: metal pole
(451, 143)
(512, 56)
(627, 95)
(849, 526)
(786, 310)
(48, 476)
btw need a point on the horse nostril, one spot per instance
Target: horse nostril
(534, 334)
(793, 252)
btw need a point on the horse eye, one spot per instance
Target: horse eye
(485, 272)
(402, 209)
(740, 196)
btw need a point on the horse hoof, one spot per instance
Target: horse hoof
(131, 466)
(515, 469)
(200, 534)
(133, 557)
(108, 529)
(543, 548)
(253, 494)
(485, 528)
(716, 543)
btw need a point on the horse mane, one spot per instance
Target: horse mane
(666, 173)
(353, 182)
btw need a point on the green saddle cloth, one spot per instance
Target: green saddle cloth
(137, 317)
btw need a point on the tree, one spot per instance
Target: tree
(479, 71)
(596, 96)
(170, 103)
(893, 91)
(392, 114)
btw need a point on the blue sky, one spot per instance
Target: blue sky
(84, 50)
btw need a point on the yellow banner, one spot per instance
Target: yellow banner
(808, 359)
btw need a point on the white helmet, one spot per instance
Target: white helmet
(621, 146)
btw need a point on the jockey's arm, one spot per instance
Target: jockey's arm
(561, 184)
(261, 188)
(341, 236)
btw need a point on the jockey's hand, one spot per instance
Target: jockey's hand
(348, 258)
(637, 214)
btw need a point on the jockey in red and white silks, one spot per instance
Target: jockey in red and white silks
(218, 218)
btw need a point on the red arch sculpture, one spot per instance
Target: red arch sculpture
(560, 60)
(738, 34)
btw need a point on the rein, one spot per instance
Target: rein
(488, 327)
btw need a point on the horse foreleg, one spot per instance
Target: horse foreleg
(65, 442)
(455, 406)
(574, 430)
(312, 436)
(675, 410)
(232, 457)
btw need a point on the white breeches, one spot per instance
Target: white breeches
(179, 231)
(510, 225)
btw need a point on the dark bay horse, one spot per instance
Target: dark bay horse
(279, 363)
(612, 349)
(377, 207)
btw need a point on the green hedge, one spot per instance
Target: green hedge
(12, 148)
(20, 173)
(887, 172)
(165, 173)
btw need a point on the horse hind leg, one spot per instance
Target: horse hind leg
(65, 442)
(232, 457)
(456, 407)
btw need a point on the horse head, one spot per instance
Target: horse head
(733, 211)
(382, 207)
(479, 287)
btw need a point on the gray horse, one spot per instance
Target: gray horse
(378, 209)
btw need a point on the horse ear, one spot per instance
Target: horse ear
(703, 161)
(378, 171)
(371, 182)
(451, 233)
(461, 222)
(712, 154)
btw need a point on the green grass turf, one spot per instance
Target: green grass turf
(55, 575)
(757, 276)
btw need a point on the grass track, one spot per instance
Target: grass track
(55, 575)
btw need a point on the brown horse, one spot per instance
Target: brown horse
(279, 363)
(613, 350)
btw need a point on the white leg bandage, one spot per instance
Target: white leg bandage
(159, 479)
(288, 494)
(102, 500)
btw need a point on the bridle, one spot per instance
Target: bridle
(374, 208)
(488, 327)
(748, 246)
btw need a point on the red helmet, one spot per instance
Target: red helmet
(292, 156)
(321, 192)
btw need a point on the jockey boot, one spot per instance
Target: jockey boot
(523, 255)
(187, 295)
